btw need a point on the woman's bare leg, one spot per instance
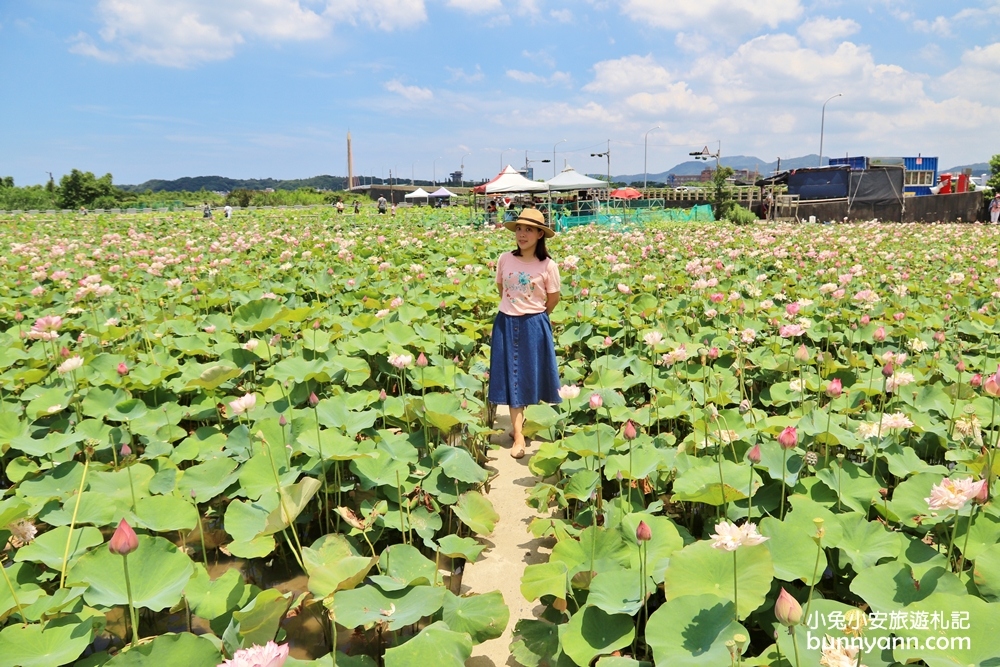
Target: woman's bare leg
(517, 424)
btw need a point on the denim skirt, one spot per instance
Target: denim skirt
(523, 368)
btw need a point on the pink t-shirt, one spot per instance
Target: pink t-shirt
(525, 283)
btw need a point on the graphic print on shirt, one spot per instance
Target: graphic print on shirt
(518, 284)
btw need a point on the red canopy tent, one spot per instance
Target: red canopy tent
(625, 193)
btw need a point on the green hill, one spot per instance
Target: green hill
(223, 184)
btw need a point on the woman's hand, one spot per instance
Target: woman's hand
(551, 299)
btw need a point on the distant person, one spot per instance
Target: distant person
(206, 212)
(394, 209)
(340, 207)
(228, 211)
(382, 205)
(995, 208)
(357, 207)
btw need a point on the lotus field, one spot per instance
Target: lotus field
(235, 440)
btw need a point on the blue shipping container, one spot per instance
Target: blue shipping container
(925, 175)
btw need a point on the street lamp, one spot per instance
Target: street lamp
(501, 156)
(462, 169)
(703, 154)
(528, 162)
(822, 123)
(554, 157)
(606, 154)
(645, 170)
(435, 168)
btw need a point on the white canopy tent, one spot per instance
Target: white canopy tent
(510, 180)
(442, 192)
(419, 193)
(570, 179)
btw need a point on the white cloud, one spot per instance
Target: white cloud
(628, 75)
(414, 94)
(692, 42)
(822, 29)
(556, 78)
(713, 15)
(939, 26)
(986, 57)
(185, 33)
(562, 15)
(459, 74)
(476, 6)
(542, 56)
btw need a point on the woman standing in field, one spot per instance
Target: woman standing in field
(523, 368)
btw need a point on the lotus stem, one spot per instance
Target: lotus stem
(812, 586)
(784, 482)
(795, 647)
(951, 542)
(322, 469)
(286, 515)
(13, 594)
(131, 606)
(965, 544)
(736, 589)
(72, 522)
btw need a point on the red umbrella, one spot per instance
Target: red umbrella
(625, 193)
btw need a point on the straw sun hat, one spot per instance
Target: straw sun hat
(533, 218)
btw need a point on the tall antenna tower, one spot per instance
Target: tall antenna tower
(350, 163)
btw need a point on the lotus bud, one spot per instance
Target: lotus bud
(313, 400)
(64, 352)
(421, 360)
(835, 388)
(122, 369)
(744, 406)
(713, 353)
(465, 404)
(282, 422)
(938, 337)
(865, 319)
(630, 432)
(124, 541)
(754, 454)
(787, 609)
(802, 354)
(126, 450)
(788, 438)
(960, 366)
(608, 342)
(992, 384)
(976, 381)
(983, 495)
(643, 532)
(19, 316)
(442, 305)
(596, 401)
(888, 369)
(315, 325)
(381, 395)
(879, 335)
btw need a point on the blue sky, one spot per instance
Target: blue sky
(269, 88)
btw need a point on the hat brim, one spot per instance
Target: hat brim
(549, 232)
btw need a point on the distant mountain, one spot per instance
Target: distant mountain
(695, 167)
(978, 168)
(223, 184)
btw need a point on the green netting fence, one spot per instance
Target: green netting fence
(626, 217)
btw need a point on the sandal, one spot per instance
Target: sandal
(517, 451)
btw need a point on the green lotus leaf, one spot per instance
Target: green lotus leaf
(482, 617)
(335, 413)
(536, 643)
(983, 534)
(207, 479)
(49, 547)
(49, 402)
(597, 550)
(334, 565)
(257, 315)
(641, 462)
(591, 441)
(856, 488)
(212, 377)
(865, 542)
(299, 370)
(700, 569)
(293, 500)
(128, 410)
(165, 513)
(170, 649)
(618, 591)
(891, 586)
(665, 540)
(335, 445)
(591, 632)
(692, 631)
(157, 569)
(210, 599)
(47, 446)
(443, 411)
(94, 509)
(13, 509)
(258, 622)
(582, 485)
(457, 463)
(435, 645)
(540, 418)
(57, 642)
(58, 482)
(986, 572)
(379, 468)
(403, 565)
(24, 579)
(476, 511)
(540, 579)
(454, 546)
(701, 482)
(368, 604)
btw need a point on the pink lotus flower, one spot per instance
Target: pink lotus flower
(629, 432)
(992, 384)
(596, 401)
(953, 494)
(802, 354)
(70, 365)
(643, 532)
(624, 289)
(879, 335)
(787, 610)
(608, 342)
(401, 360)
(793, 308)
(976, 381)
(835, 388)
(865, 319)
(730, 537)
(122, 369)
(46, 328)
(243, 404)
(268, 655)
(124, 541)
(791, 330)
(569, 391)
(788, 438)
(717, 297)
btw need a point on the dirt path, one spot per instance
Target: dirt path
(509, 549)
